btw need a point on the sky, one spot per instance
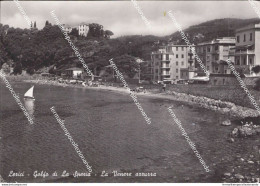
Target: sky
(122, 18)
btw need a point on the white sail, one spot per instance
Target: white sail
(29, 93)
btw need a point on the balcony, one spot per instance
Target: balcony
(165, 73)
(165, 66)
(244, 52)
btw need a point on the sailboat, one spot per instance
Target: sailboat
(29, 94)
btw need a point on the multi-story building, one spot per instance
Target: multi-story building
(169, 60)
(83, 29)
(247, 45)
(214, 54)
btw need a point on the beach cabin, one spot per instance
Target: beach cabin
(74, 72)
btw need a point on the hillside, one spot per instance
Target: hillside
(212, 29)
(35, 49)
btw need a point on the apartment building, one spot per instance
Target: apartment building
(169, 60)
(247, 45)
(214, 54)
(83, 29)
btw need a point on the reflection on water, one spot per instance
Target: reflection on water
(30, 107)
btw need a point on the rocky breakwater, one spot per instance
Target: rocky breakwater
(246, 130)
(217, 105)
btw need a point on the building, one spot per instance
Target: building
(67, 28)
(169, 60)
(213, 53)
(247, 45)
(74, 72)
(83, 29)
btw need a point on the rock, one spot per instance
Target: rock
(231, 140)
(226, 123)
(239, 176)
(235, 132)
(242, 159)
(246, 130)
(227, 174)
(250, 162)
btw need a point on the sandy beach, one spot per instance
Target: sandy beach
(216, 105)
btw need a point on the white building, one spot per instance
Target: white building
(74, 72)
(83, 29)
(248, 46)
(169, 60)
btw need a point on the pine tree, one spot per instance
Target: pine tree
(34, 24)
(31, 24)
(47, 23)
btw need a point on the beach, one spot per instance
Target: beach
(112, 139)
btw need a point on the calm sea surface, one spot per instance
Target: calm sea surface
(112, 135)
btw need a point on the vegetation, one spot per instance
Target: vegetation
(33, 49)
(257, 84)
(256, 69)
(212, 29)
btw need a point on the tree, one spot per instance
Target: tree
(30, 70)
(256, 69)
(127, 65)
(47, 23)
(18, 68)
(74, 32)
(108, 33)
(257, 84)
(34, 24)
(95, 30)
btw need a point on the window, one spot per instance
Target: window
(182, 63)
(167, 56)
(182, 56)
(177, 77)
(238, 62)
(250, 61)
(251, 36)
(182, 48)
(177, 70)
(244, 61)
(216, 47)
(176, 48)
(177, 63)
(238, 39)
(177, 56)
(244, 37)
(156, 71)
(208, 49)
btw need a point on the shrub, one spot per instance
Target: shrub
(30, 70)
(257, 84)
(18, 68)
(256, 69)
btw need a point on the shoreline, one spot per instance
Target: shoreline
(204, 102)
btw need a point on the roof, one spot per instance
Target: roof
(75, 68)
(222, 40)
(200, 78)
(248, 27)
(83, 23)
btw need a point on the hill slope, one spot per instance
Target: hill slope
(212, 29)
